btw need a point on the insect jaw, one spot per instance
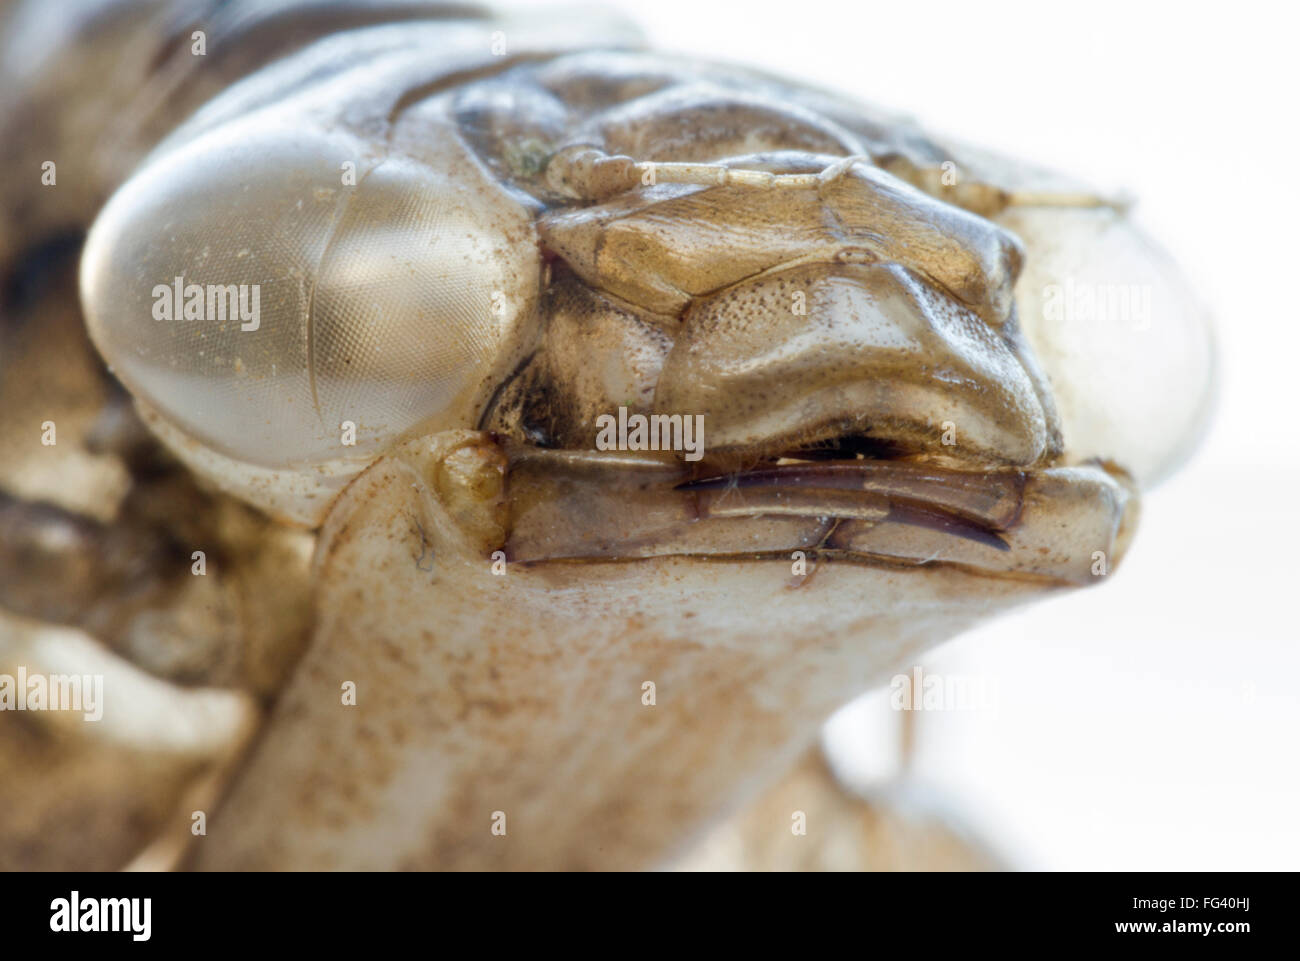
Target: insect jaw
(1058, 524)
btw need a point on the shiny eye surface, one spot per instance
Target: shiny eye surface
(286, 298)
(1126, 347)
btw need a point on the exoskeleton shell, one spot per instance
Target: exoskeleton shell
(393, 278)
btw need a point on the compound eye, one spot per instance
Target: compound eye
(1128, 351)
(285, 318)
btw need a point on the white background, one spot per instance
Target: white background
(1151, 722)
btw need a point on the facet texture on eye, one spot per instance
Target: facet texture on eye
(290, 300)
